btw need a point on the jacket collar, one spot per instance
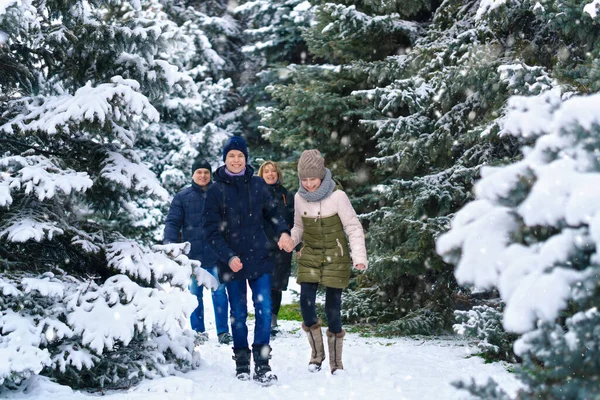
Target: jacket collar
(221, 176)
(198, 188)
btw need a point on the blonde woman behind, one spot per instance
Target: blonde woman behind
(273, 176)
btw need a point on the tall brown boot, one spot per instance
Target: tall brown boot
(335, 343)
(315, 339)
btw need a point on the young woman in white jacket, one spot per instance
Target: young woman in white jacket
(333, 242)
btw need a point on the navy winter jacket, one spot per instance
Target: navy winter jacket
(285, 204)
(185, 218)
(283, 259)
(236, 211)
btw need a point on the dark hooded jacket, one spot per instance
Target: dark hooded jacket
(185, 218)
(283, 259)
(236, 211)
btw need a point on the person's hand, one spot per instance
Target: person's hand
(285, 242)
(360, 267)
(236, 264)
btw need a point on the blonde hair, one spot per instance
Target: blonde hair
(277, 169)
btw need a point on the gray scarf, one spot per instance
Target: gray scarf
(327, 187)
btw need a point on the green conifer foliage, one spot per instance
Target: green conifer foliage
(442, 104)
(375, 94)
(314, 107)
(344, 33)
(274, 30)
(559, 35)
(543, 245)
(316, 110)
(406, 9)
(273, 39)
(485, 323)
(195, 122)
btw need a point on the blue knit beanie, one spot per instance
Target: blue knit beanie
(235, 143)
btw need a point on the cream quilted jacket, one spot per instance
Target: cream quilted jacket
(336, 203)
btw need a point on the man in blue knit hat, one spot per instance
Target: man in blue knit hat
(185, 221)
(238, 207)
(235, 143)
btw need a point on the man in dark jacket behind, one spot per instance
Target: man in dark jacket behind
(238, 206)
(185, 219)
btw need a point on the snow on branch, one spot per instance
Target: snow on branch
(530, 115)
(4, 5)
(24, 334)
(113, 313)
(592, 8)
(415, 93)
(131, 174)
(5, 197)
(72, 324)
(39, 175)
(118, 101)
(18, 329)
(349, 22)
(31, 358)
(9, 289)
(24, 228)
(210, 96)
(167, 71)
(520, 76)
(88, 242)
(73, 355)
(178, 251)
(486, 6)
(43, 286)
(130, 257)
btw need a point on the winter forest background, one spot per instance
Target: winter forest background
(467, 134)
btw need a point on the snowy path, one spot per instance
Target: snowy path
(375, 369)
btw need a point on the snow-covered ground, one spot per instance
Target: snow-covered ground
(375, 368)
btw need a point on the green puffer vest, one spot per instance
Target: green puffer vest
(325, 256)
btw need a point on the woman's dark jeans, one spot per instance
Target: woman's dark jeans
(333, 306)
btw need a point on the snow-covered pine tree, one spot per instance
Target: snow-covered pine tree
(274, 30)
(315, 108)
(273, 40)
(321, 106)
(484, 323)
(195, 123)
(533, 229)
(441, 98)
(81, 300)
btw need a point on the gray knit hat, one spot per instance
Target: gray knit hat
(311, 165)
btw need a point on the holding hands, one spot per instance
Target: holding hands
(286, 242)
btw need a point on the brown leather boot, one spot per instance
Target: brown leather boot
(315, 339)
(335, 343)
